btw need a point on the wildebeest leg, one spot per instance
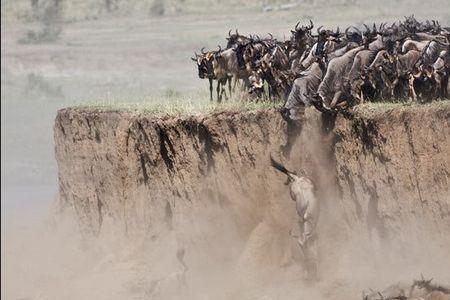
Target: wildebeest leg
(230, 78)
(413, 95)
(223, 87)
(235, 83)
(246, 83)
(306, 242)
(210, 89)
(335, 99)
(219, 97)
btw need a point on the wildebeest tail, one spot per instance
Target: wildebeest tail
(280, 167)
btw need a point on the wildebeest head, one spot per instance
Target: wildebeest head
(354, 36)
(240, 50)
(422, 283)
(204, 63)
(411, 24)
(324, 36)
(236, 39)
(299, 34)
(369, 35)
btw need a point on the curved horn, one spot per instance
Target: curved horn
(318, 29)
(203, 50)
(311, 25)
(357, 30)
(229, 33)
(271, 36)
(296, 26)
(338, 31)
(346, 31)
(220, 48)
(367, 27)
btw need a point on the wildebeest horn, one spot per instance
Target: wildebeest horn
(296, 26)
(229, 33)
(220, 48)
(202, 50)
(318, 29)
(271, 36)
(367, 27)
(346, 31)
(357, 30)
(338, 31)
(311, 25)
(237, 33)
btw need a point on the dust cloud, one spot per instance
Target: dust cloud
(50, 259)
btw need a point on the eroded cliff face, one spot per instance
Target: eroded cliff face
(394, 171)
(207, 180)
(143, 174)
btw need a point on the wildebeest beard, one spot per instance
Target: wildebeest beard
(240, 56)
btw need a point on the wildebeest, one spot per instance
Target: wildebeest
(334, 87)
(304, 86)
(307, 205)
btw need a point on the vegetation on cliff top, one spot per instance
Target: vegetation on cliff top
(173, 104)
(373, 108)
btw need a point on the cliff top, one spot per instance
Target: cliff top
(189, 106)
(176, 106)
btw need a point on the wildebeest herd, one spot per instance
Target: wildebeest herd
(334, 69)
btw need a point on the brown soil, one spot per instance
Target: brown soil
(205, 182)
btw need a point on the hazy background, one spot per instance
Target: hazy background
(57, 53)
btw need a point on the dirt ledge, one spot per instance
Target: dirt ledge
(376, 171)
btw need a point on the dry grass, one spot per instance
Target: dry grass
(174, 104)
(371, 109)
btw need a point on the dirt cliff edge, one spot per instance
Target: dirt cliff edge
(383, 174)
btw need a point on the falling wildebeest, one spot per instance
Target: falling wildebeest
(307, 205)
